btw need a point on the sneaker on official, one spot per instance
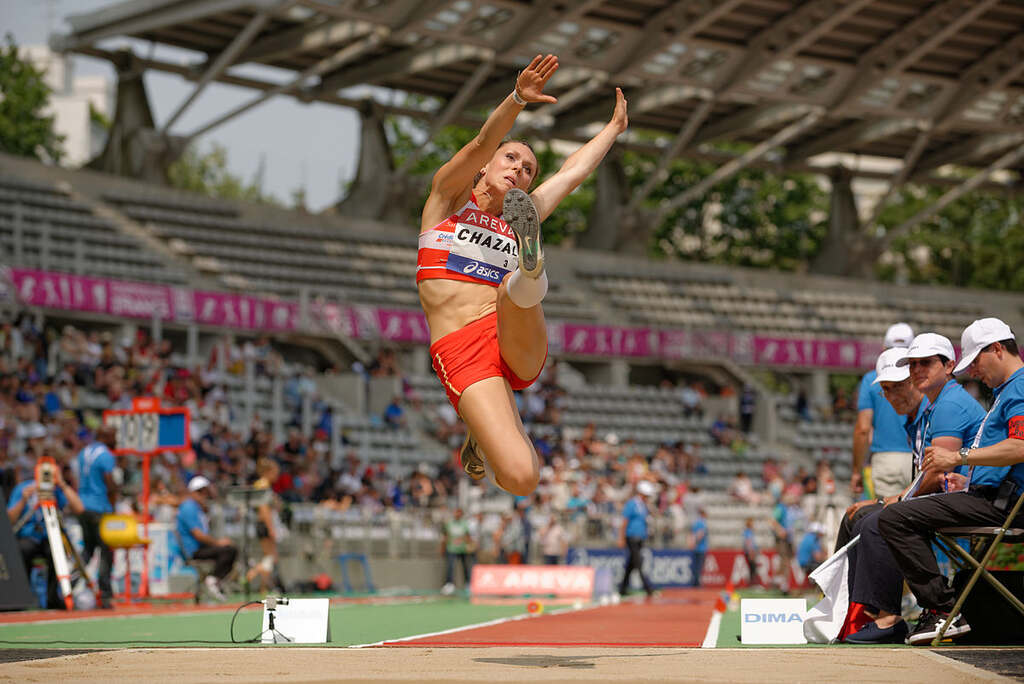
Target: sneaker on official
(871, 633)
(930, 624)
(521, 215)
(448, 589)
(213, 586)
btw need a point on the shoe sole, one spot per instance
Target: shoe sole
(951, 633)
(471, 460)
(521, 215)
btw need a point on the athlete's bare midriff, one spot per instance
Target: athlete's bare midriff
(451, 305)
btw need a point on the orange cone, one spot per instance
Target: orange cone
(729, 588)
(719, 605)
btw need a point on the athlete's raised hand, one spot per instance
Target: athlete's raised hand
(531, 81)
(619, 119)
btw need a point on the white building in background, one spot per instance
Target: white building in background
(70, 101)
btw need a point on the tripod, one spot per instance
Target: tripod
(271, 603)
(57, 537)
(247, 498)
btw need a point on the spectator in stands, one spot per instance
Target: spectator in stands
(747, 405)
(691, 397)
(634, 532)
(554, 541)
(26, 519)
(513, 537)
(802, 406)
(96, 469)
(699, 544)
(878, 436)
(480, 358)
(194, 530)
(457, 544)
(394, 414)
(996, 478)
(742, 489)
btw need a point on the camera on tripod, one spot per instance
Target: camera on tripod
(46, 477)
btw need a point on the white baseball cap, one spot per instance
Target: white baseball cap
(198, 482)
(646, 488)
(925, 345)
(979, 335)
(898, 335)
(888, 367)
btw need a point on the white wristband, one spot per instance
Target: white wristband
(517, 98)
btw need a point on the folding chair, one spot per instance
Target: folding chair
(202, 567)
(979, 558)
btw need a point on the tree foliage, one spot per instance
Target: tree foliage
(207, 173)
(763, 219)
(24, 128)
(977, 241)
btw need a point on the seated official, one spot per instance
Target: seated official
(23, 510)
(995, 459)
(196, 541)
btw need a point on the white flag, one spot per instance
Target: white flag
(825, 620)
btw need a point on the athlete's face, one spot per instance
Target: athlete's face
(512, 166)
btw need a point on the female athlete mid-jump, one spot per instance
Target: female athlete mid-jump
(481, 276)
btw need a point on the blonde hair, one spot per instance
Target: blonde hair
(509, 141)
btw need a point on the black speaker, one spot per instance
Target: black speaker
(15, 593)
(993, 620)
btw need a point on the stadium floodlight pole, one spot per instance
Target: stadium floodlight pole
(343, 56)
(225, 59)
(732, 167)
(956, 193)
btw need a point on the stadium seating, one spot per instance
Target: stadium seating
(41, 226)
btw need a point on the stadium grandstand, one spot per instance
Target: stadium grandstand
(299, 338)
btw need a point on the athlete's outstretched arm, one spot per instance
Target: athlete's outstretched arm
(580, 163)
(457, 174)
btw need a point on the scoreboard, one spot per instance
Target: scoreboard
(147, 427)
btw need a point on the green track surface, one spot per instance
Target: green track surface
(349, 624)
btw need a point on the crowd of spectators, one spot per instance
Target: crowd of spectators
(55, 382)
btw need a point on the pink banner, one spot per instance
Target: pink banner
(142, 300)
(853, 354)
(60, 290)
(562, 581)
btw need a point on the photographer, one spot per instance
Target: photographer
(23, 509)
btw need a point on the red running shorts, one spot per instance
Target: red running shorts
(469, 355)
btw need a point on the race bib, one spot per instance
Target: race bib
(483, 247)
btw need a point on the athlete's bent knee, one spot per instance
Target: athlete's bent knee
(520, 481)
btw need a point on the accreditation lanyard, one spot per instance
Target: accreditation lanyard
(925, 429)
(977, 437)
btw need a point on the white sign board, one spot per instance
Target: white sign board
(301, 621)
(772, 621)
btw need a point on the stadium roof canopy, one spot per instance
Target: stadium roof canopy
(924, 83)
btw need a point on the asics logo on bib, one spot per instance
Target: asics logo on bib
(475, 268)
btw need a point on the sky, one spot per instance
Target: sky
(312, 145)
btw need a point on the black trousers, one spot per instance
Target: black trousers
(223, 557)
(875, 579)
(32, 549)
(846, 525)
(90, 522)
(635, 561)
(909, 527)
(449, 566)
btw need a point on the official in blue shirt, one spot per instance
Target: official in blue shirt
(193, 529)
(634, 534)
(750, 551)
(878, 437)
(811, 551)
(94, 467)
(991, 355)
(30, 528)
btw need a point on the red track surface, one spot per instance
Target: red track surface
(678, 619)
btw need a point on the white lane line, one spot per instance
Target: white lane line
(711, 637)
(489, 623)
